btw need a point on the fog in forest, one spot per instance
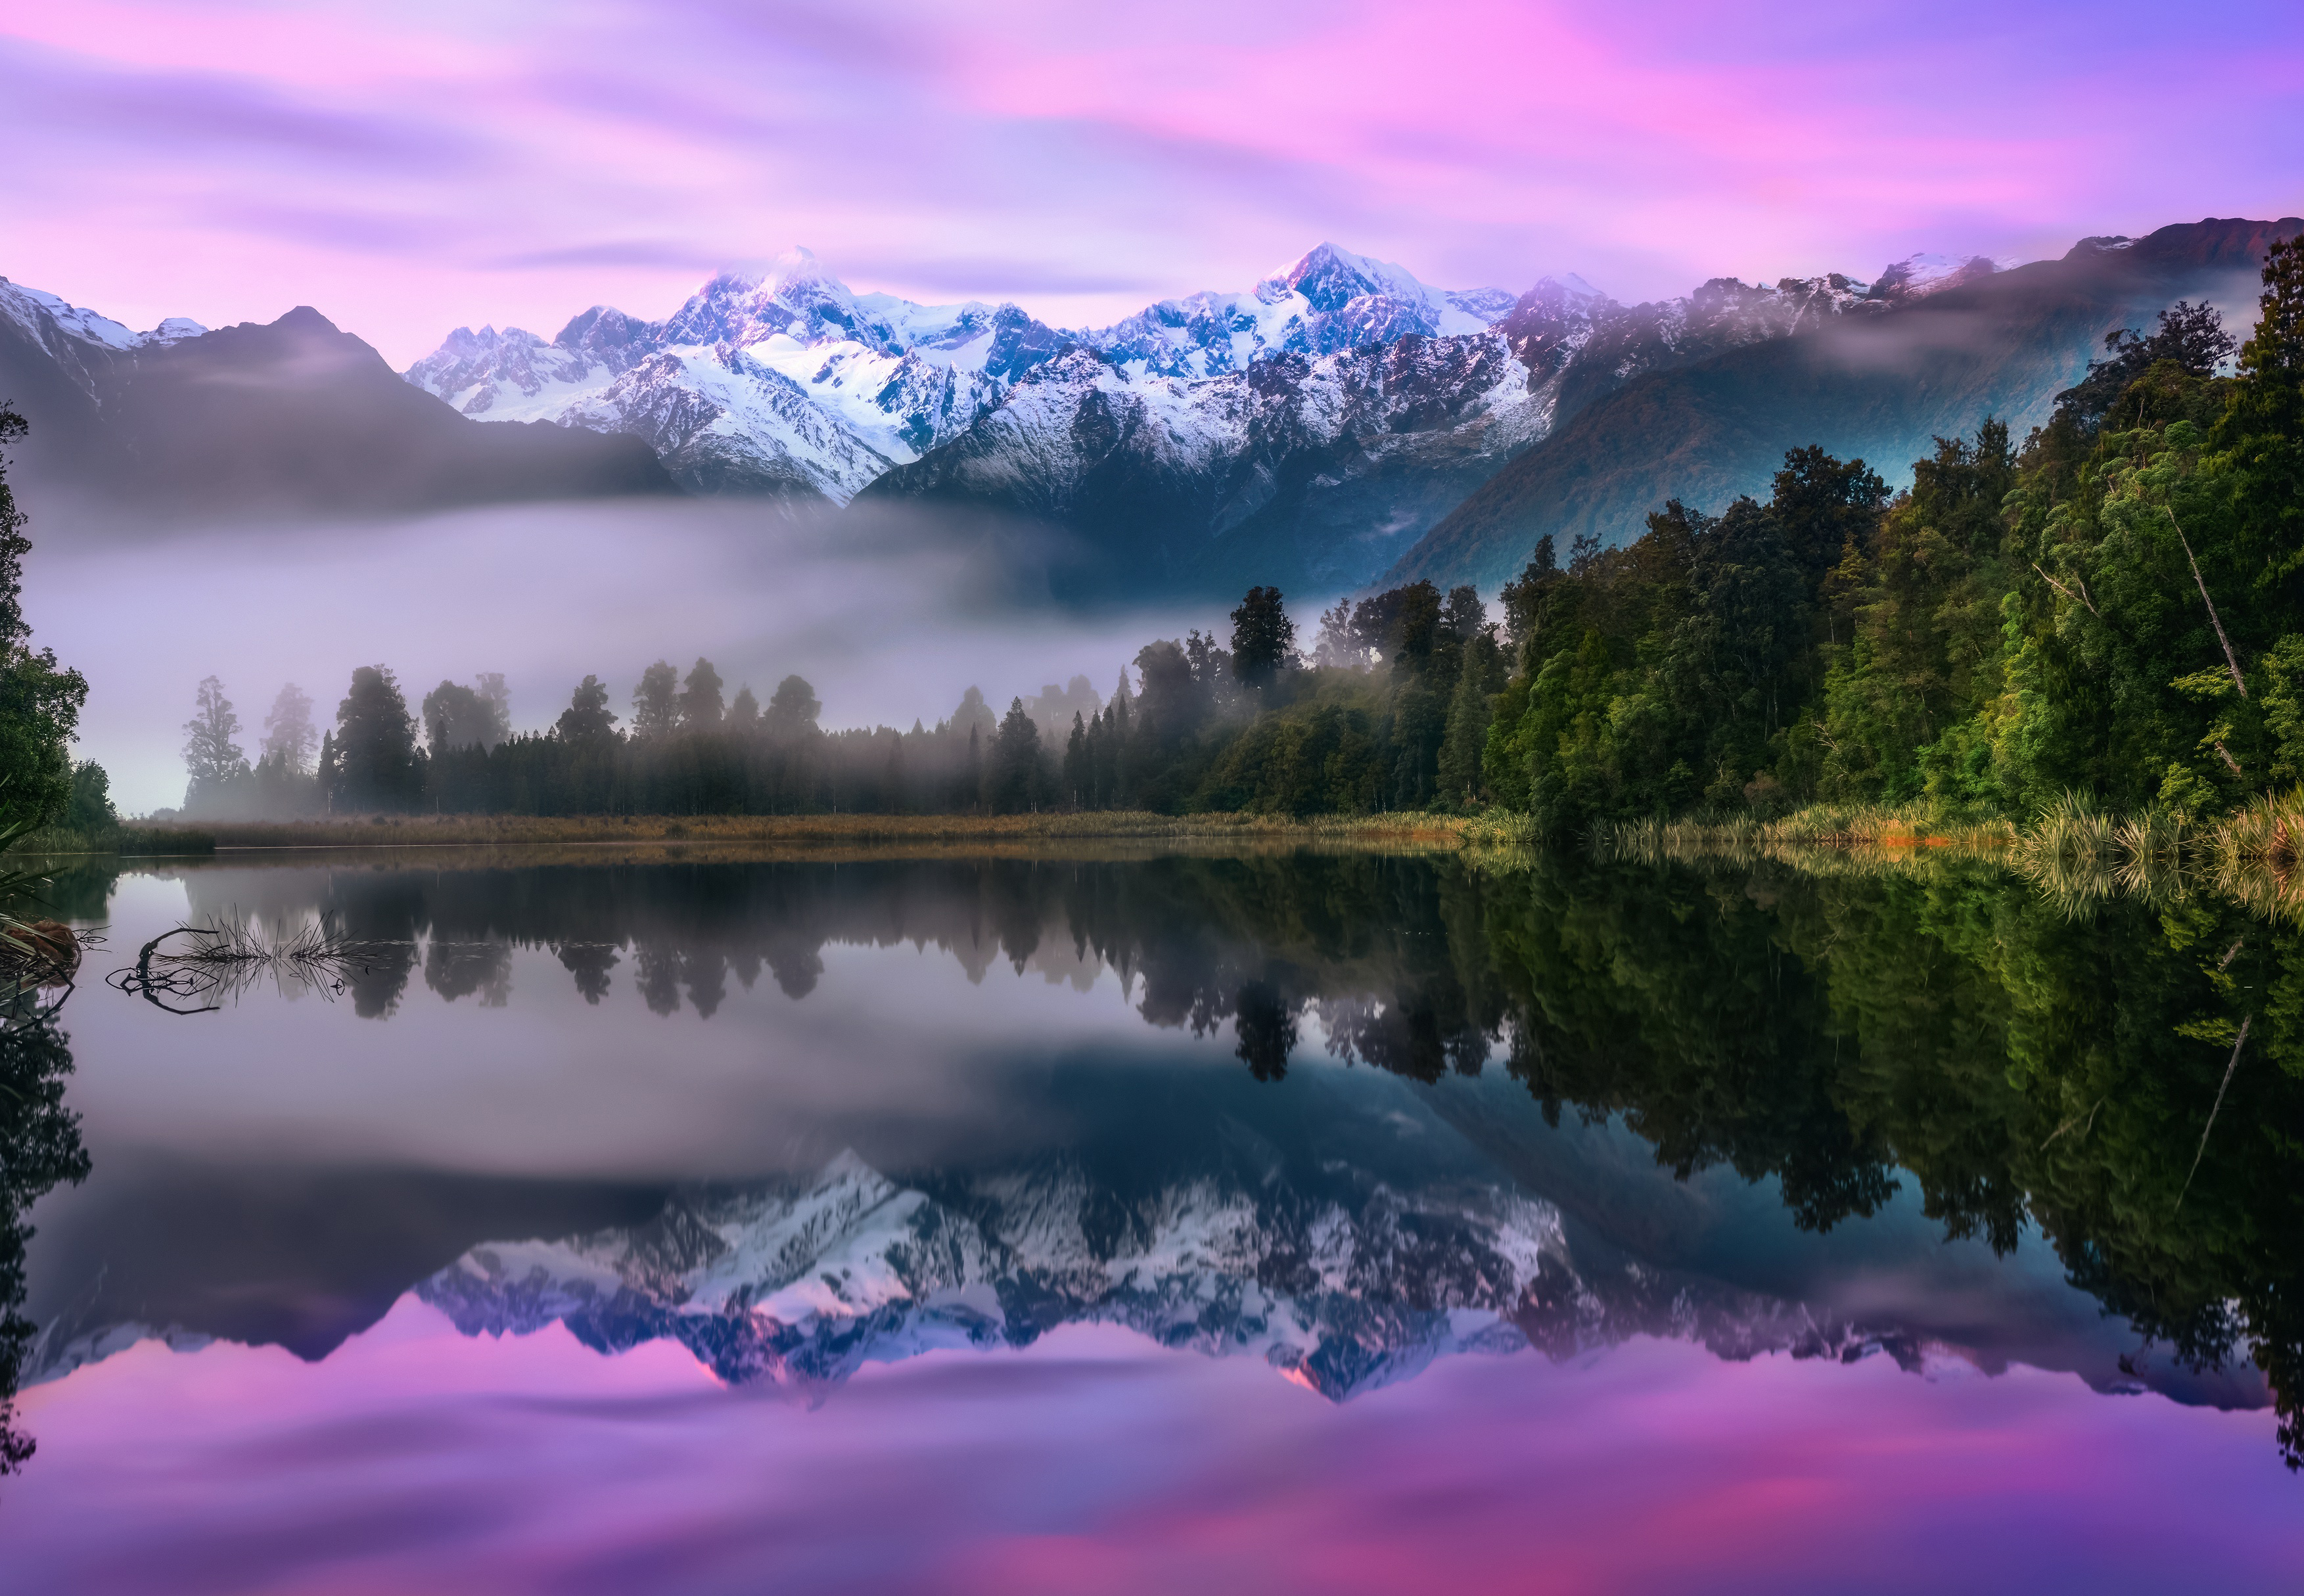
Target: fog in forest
(891, 616)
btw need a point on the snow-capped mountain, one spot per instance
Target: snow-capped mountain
(1308, 428)
(1309, 432)
(1292, 470)
(80, 346)
(1329, 301)
(1343, 1289)
(773, 380)
(57, 325)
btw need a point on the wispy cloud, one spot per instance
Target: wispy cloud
(410, 168)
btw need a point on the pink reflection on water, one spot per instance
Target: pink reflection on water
(417, 1458)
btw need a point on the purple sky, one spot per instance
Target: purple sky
(414, 165)
(413, 1458)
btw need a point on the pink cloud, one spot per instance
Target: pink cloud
(411, 167)
(417, 1458)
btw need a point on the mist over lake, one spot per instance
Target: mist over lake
(999, 798)
(892, 616)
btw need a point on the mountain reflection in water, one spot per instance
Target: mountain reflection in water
(1424, 1107)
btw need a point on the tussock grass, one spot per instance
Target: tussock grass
(2074, 853)
(137, 840)
(1867, 834)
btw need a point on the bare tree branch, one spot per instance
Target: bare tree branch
(2231, 658)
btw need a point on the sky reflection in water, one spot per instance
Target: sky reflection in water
(1011, 1289)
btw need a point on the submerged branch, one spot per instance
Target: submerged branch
(228, 956)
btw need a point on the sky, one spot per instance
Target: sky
(416, 1459)
(414, 165)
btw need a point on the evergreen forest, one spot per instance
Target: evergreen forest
(2112, 607)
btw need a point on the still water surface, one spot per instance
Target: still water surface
(730, 1222)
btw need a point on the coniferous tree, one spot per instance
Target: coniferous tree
(1467, 734)
(656, 701)
(1012, 782)
(213, 760)
(895, 784)
(497, 699)
(744, 711)
(792, 711)
(289, 736)
(455, 716)
(1078, 777)
(1263, 638)
(376, 758)
(699, 700)
(587, 719)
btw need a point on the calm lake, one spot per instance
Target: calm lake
(730, 1221)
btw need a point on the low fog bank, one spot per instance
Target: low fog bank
(890, 615)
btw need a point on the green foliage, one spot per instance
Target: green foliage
(2020, 1065)
(39, 699)
(2116, 609)
(89, 811)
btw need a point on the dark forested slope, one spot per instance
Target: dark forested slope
(1879, 388)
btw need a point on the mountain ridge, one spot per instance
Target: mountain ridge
(291, 417)
(1980, 344)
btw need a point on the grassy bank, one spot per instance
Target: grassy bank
(2073, 852)
(124, 839)
(416, 831)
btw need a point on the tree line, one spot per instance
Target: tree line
(1387, 710)
(2113, 608)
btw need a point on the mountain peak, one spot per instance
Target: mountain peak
(1917, 276)
(1330, 276)
(795, 268)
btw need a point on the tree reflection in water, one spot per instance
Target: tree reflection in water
(1838, 1031)
(39, 1147)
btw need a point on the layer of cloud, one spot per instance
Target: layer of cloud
(411, 168)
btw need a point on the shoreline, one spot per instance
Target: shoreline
(389, 833)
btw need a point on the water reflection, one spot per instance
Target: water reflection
(40, 1148)
(1947, 1040)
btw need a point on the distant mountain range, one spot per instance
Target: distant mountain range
(291, 418)
(1337, 423)
(1340, 1278)
(1304, 431)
